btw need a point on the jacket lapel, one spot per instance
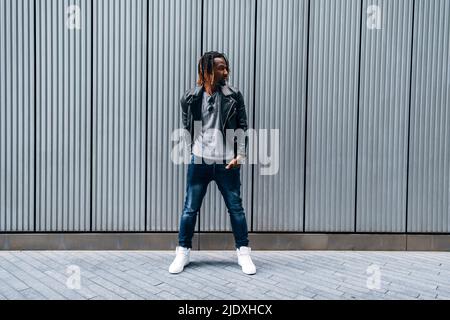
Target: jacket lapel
(226, 102)
(196, 103)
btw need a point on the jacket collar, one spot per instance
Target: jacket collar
(198, 91)
(226, 101)
(226, 90)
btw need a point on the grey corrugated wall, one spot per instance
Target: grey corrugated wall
(280, 70)
(429, 157)
(332, 115)
(17, 114)
(63, 91)
(118, 124)
(383, 119)
(86, 115)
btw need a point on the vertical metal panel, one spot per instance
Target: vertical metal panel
(174, 47)
(119, 104)
(63, 117)
(332, 107)
(16, 115)
(229, 27)
(429, 157)
(383, 118)
(281, 58)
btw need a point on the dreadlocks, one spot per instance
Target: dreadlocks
(206, 64)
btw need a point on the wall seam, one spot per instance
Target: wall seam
(306, 114)
(409, 116)
(146, 121)
(91, 120)
(35, 121)
(357, 116)
(252, 208)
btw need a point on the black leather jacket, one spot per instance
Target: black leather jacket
(232, 109)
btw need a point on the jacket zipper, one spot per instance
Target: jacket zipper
(228, 115)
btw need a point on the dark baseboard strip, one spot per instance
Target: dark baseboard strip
(91, 241)
(286, 241)
(224, 241)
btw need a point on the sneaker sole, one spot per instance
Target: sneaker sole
(246, 272)
(180, 270)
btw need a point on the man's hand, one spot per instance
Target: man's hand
(236, 162)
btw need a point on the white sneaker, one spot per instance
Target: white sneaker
(181, 259)
(245, 261)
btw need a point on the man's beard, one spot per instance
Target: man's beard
(221, 82)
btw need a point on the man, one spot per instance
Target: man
(215, 108)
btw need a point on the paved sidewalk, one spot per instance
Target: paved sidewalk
(216, 275)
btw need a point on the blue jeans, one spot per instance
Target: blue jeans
(229, 182)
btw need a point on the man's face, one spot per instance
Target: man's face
(220, 71)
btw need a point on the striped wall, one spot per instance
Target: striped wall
(17, 115)
(361, 109)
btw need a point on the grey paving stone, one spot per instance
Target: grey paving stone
(216, 275)
(11, 294)
(51, 278)
(31, 294)
(403, 294)
(30, 279)
(102, 292)
(168, 296)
